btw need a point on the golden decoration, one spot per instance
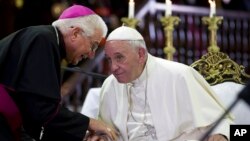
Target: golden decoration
(212, 23)
(130, 22)
(217, 67)
(168, 24)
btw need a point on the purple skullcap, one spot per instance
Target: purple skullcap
(76, 11)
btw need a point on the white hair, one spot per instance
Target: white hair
(138, 44)
(88, 24)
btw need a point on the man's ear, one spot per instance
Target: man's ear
(75, 32)
(142, 54)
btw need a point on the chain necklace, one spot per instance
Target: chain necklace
(150, 129)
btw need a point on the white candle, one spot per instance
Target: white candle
(131, 9)
(168, 10)
(212, 7)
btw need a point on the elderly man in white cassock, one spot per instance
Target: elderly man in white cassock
(152, 99)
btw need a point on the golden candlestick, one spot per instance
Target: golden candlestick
(130, 22)
(213, 23)
(168, 24)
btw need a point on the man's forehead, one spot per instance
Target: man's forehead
(115, 50)
(116, 46)
(117, 43)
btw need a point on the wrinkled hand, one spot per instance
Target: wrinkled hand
(98, 129)
(217, 137)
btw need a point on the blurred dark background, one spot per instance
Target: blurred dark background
(17, 14)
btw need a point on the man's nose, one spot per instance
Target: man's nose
(114, 67)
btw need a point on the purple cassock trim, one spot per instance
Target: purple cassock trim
(10, 111)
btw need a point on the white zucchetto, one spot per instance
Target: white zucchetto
(124, 33)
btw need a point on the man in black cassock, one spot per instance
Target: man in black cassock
(30, 74)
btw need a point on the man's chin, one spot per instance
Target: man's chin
(120, 80)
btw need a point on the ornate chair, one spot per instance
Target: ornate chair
(227, 79)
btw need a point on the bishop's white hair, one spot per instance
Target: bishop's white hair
(88, 23)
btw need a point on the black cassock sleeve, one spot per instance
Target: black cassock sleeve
(67, 126)
(59, 123)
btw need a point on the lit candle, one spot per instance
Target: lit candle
(168, 10)
(131, 9)
(212, 8)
